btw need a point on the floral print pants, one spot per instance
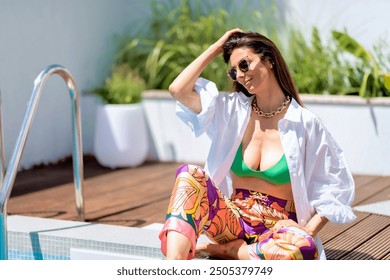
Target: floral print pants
(198, 206)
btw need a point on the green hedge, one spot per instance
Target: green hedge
(181, 30)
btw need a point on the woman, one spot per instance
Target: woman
(286, 175)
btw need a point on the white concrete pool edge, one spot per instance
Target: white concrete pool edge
(72, 239)
(44, 238)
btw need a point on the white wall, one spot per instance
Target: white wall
(360, 128)
(78, 34)
(366, 21)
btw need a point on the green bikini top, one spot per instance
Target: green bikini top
(277, 174)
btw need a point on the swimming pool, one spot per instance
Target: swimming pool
(31, 238)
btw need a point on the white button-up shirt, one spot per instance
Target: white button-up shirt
(320, 178)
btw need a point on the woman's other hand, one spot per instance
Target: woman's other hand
(233, 250)
(281, 224)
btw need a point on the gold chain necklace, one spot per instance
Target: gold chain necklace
(273, 113)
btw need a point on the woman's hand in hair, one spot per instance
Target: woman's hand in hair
(221, 41)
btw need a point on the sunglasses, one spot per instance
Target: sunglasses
(243, 65)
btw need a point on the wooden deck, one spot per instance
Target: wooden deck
(139, 196)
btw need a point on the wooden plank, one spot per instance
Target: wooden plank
(104, 194)
(375, 248)
(354, 237)
(331, 230)
(387, 257)
(134, 195)
(381, 195)
(370, 189)
(149, 197)
(139, 217)
(45, 176)
(363, 180)
(44, 203)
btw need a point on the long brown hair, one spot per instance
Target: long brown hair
(267, 50)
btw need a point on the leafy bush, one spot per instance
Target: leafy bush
(325, 68)
(315, 66)
(366, 72)
(125, 86)
(181, 31)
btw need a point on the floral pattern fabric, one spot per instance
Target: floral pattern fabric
(198, 206)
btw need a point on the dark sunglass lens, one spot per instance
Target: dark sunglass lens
(233, 74)
(244, 66)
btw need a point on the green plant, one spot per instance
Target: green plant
(324, 68)
(124, 86)
(179, 32)
(182, 29)
(372, 82)
(314, 64)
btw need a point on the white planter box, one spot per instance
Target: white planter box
(360, 126)
(121, 138)
(171, 139)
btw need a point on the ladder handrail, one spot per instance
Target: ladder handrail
(2, 161)
(78, 168)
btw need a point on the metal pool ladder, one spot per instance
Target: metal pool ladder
(8, 180)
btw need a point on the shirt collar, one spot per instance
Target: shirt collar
(294, 111)
(245, 100)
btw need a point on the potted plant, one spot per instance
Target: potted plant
(121, 137)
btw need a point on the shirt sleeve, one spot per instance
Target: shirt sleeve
(331, 188)
(202, 122)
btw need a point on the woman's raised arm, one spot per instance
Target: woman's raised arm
(182, 88)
